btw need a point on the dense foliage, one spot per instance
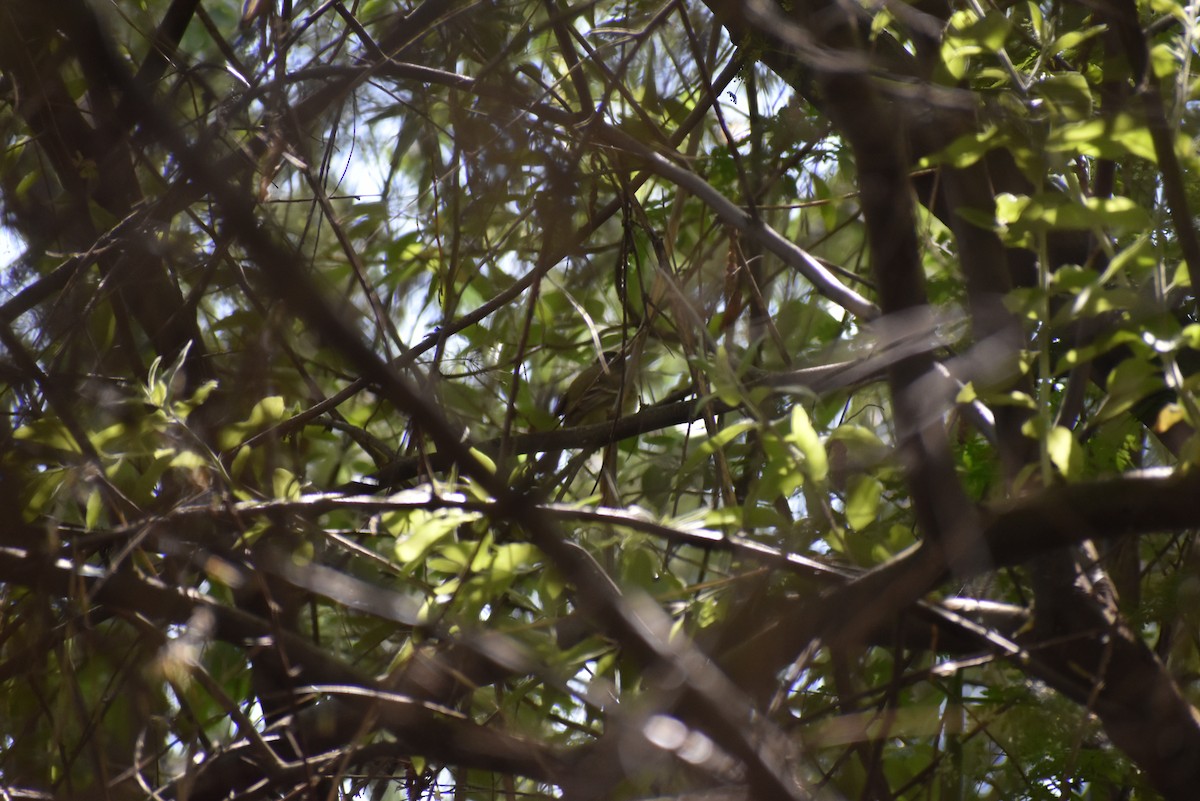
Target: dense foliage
(599, 399)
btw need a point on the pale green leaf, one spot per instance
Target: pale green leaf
(717, 442)
(95, 509)
(1067, 94)
(1072, 39)
(1164, 60)
(1064, 451)
(188, 460)
(488, 463)
(284, 484)
(419, 530)
(967, 149)
(804, 437)
(863, 494)
(50, 432)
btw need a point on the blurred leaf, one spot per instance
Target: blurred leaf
(804, 437)
(862, 501)
(1064, 452)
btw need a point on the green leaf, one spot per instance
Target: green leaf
(780, 475)
(512, 558)
(967, 149)
(1064, 452)
(955, 58)
(724, 517)
(184, 407)
(863, 494)
(829, 209)
(1020, 213)
(488, 463)
(188, 460)
(725, 380)
(267, 412)
(879, 22)
(804, 437)
(986, 34)
(1072, 39)
(1137, 256)
(1164, 61)
(1110, 137)
(1168, 416)
(1067, 94)
(717, 442)
(101, 440)
(1077, 356)
(419, 530)
(970, 35)
(95, 510)
(1010, 207)
(1037, 22)
(50, 432)
(1129, 382)
(285, 484)
(728, 434)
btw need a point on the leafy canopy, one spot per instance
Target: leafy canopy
(599, 400)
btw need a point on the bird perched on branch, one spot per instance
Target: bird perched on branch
(601, 392)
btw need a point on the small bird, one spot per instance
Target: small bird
(599, 393)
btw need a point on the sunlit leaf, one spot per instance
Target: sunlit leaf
(804, 437)
(1064, 451)
(862, 501)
